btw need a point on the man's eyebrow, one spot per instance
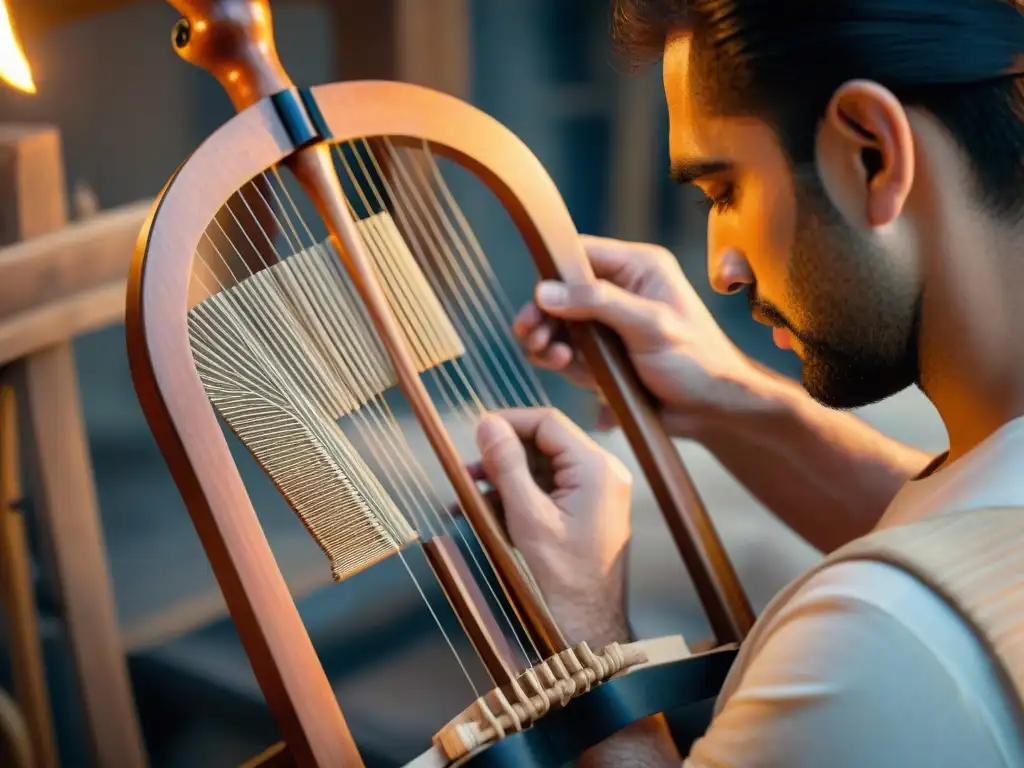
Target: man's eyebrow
(689, 171)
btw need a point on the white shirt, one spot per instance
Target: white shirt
(867, 667)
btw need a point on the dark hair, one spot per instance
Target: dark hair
(783, 61)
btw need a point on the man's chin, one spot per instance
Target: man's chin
(855, 390)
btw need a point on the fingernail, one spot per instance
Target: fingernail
(552, 294)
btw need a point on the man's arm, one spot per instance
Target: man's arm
(827, 474)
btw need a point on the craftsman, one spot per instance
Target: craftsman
(864, 164)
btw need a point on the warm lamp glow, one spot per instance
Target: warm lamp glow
(14, 66)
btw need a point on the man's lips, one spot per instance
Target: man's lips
(782, 338)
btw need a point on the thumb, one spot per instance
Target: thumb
(504, 457)
(640, 322)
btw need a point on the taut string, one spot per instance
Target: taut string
(286, 349)
(351, 461)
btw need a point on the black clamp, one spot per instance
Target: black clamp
(301, 117)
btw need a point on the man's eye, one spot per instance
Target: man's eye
(719, 202)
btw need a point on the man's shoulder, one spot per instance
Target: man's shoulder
(864, 586)
(902, 611)
(839, 666)
(835, 605)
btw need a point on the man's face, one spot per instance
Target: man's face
(832, 293)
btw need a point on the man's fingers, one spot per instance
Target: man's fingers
(610, 258)
(556, 357)
(503, 456)
(550, 430)
(640, 322)
(540, 337)
(606, 255)
(529, 317)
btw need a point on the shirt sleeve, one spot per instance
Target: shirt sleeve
(840, 681)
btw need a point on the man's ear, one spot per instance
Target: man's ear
(865, 152)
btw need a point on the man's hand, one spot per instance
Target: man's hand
(573, 539)
(681, 354)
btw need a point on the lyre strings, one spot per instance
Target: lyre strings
(276, 357)
(288, 355)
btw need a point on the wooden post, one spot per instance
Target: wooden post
(30, 688)
(31, 182)
(34, 202)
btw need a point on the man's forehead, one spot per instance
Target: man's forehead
(684, 119)
(698, 136)
(676, 71)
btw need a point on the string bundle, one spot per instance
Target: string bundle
(289, 356)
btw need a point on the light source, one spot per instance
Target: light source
(28, 19)
(14, 67)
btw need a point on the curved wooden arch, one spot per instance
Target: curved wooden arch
(190, 438)
(189, 434)
(515, 175)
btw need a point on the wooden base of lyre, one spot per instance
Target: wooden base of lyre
(47, 297)
(671, 679)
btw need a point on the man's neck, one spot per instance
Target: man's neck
(972, 345)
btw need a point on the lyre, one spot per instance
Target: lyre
(286, 347)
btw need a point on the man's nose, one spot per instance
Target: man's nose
(728, 271)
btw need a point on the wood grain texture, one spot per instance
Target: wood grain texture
(67, 509)
(18, 594)
(41, 370)
(182, 419)
(70, 259)
(49, 325)
(186, 427)
(67, 282)
(32, 181)
(466, 135)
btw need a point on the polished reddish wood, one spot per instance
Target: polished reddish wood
(238, 50)
(186, 428)
(190, 437)
(234, 41)
(478, 142)
(315, 170)
(189, 434)
(471, 609)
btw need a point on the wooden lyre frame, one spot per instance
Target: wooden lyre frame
(278, 123)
